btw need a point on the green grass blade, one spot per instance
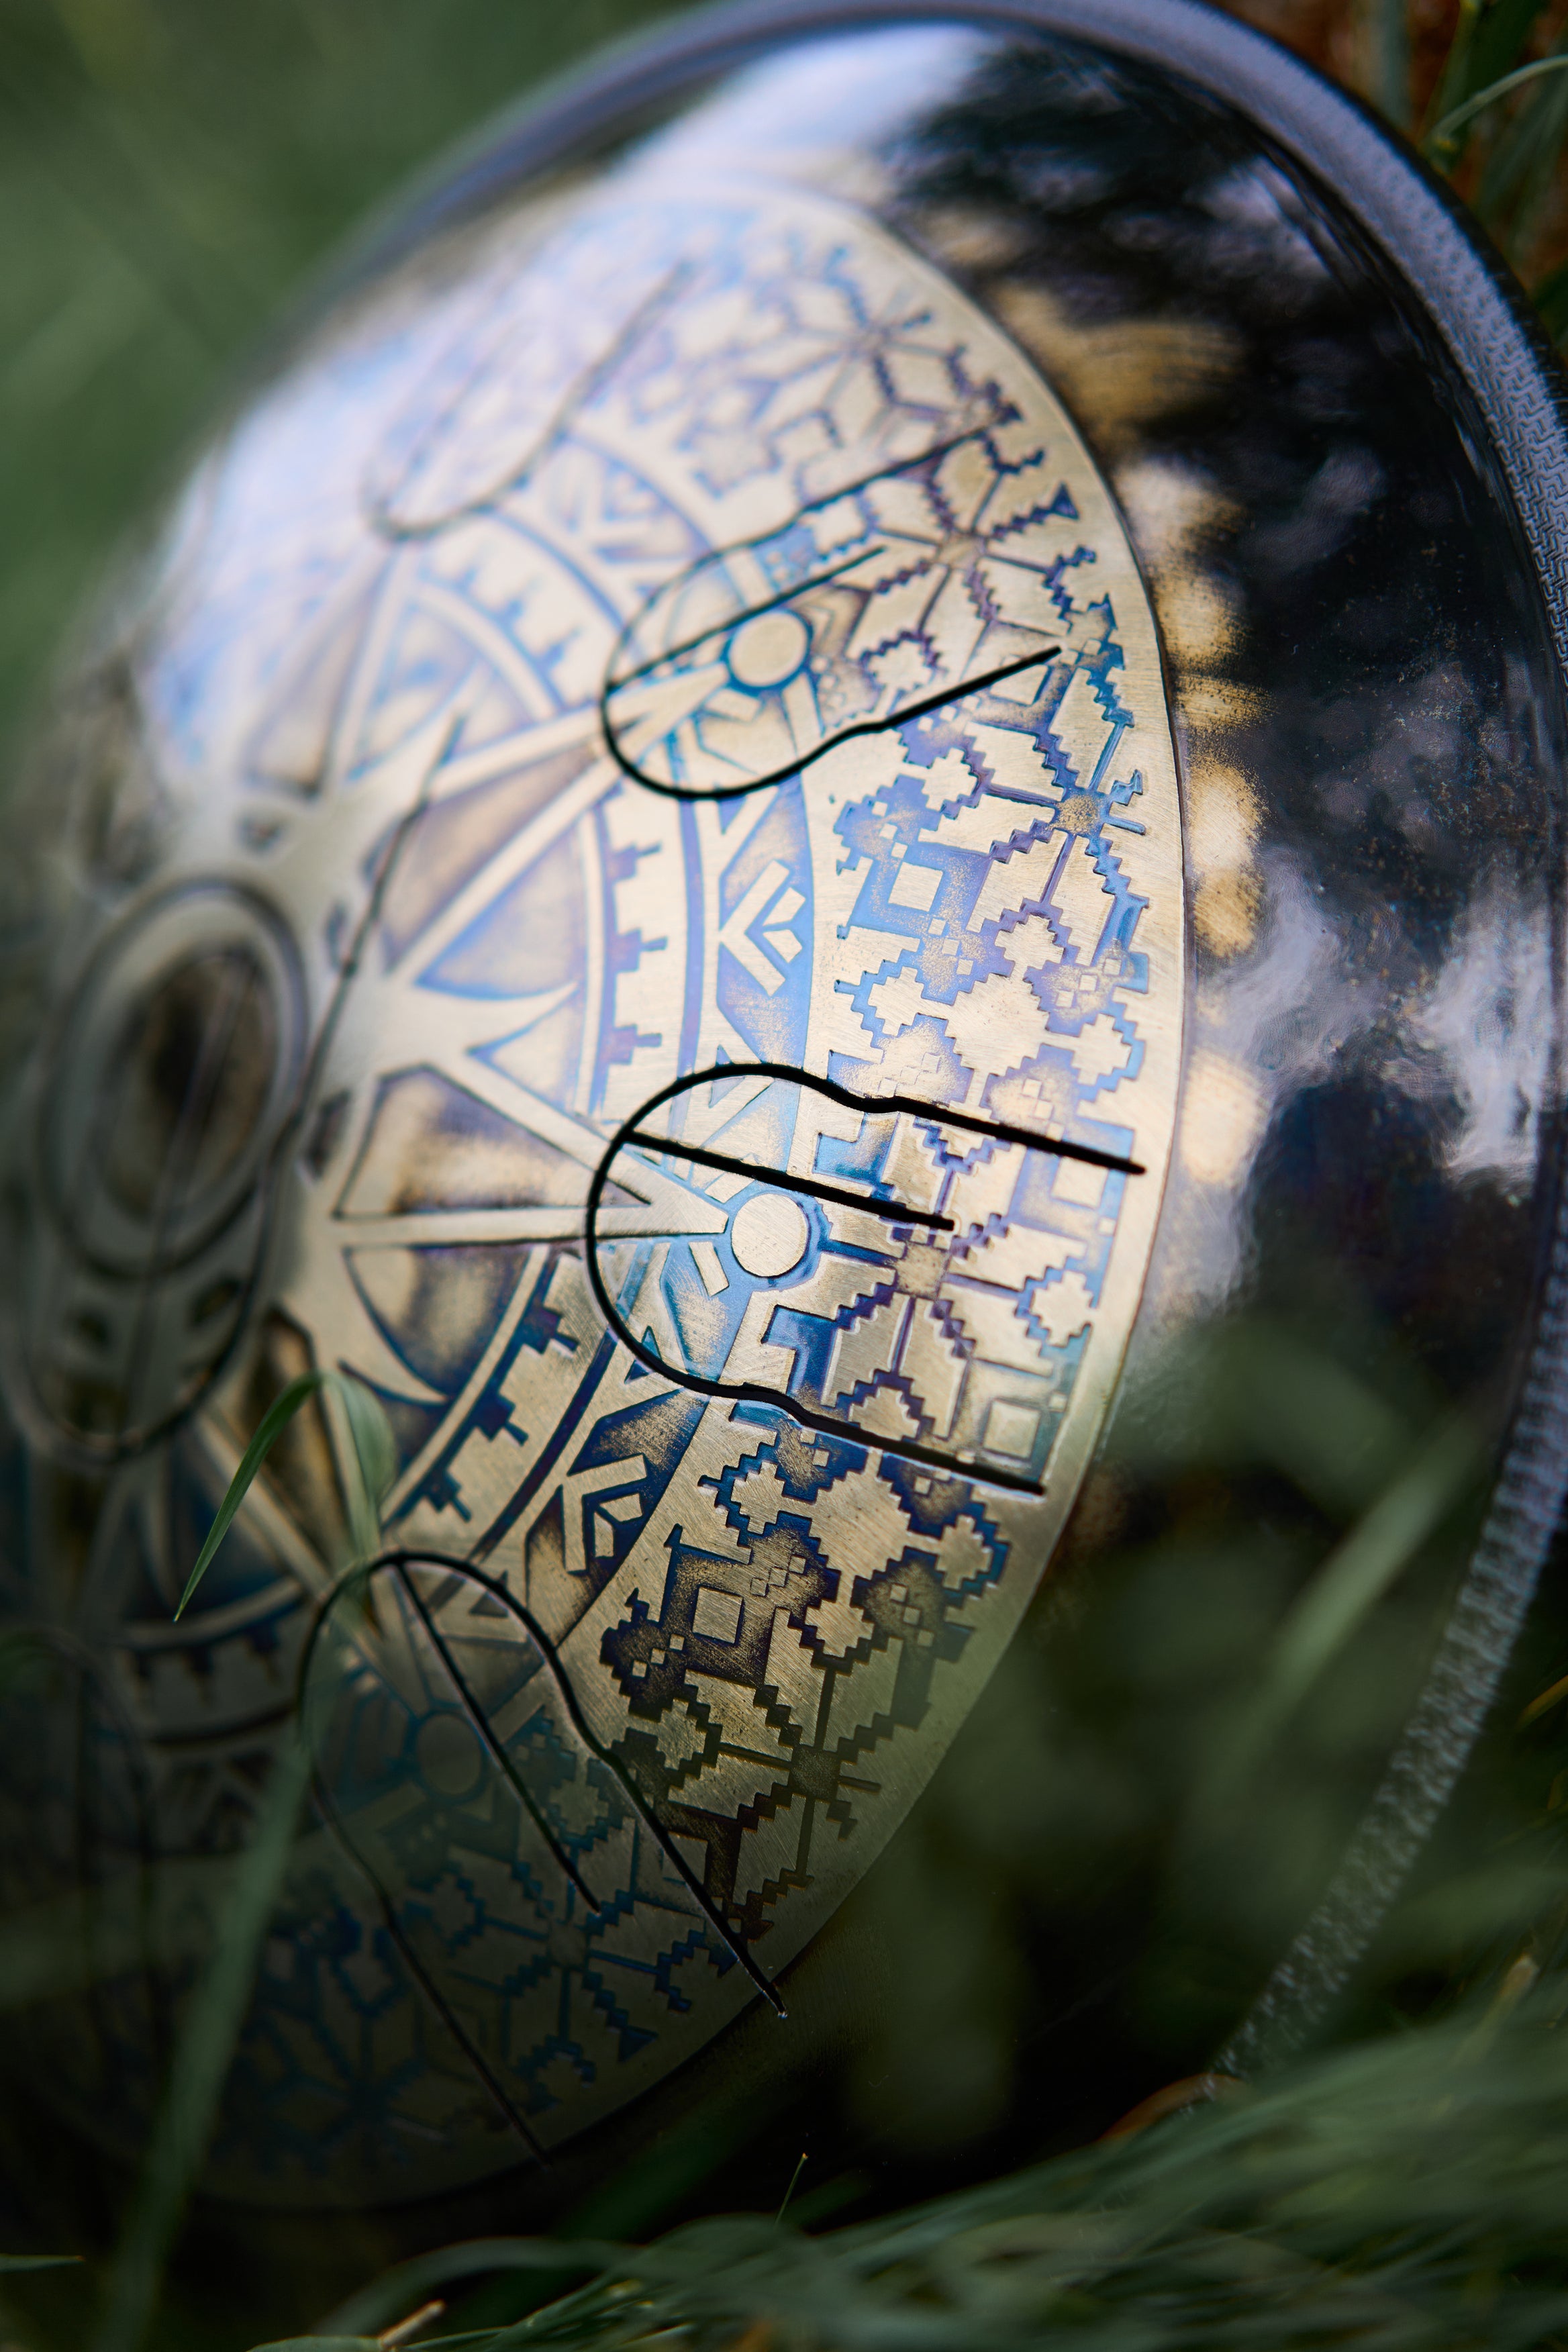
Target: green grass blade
(1495, 91)
(274, 1422)
(1521, 168)
(374, 1457)
(396, 2291)
(1378, 1550)
(1457, 81)
(1500, 38)
(206, 2044)
(322, 2344)
(1488, 44)
(1405, 2194)
(201, 2063)
(1353, 1579)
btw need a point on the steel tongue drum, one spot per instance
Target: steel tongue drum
(855, 759)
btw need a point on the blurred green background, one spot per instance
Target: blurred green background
(170, 171)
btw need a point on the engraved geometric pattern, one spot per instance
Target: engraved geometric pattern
(658, 811)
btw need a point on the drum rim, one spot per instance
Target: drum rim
(1429, 245)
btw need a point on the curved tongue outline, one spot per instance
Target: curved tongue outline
(515, 1868)
(888, 1267)
(888, 599)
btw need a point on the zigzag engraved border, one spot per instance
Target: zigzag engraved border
(1423, 241)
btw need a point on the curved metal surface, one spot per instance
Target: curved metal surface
(614, 659)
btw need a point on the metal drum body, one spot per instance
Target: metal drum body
(790, 832)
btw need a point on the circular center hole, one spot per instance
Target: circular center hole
(769, 648)
(769, 1235)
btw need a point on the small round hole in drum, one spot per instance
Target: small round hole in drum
(833, 1255)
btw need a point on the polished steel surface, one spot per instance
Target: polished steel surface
(621, 876)
(733, 664)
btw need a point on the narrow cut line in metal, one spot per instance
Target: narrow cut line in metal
(894, 1212)
(920, 709)
(884, 1105)
(874, 1107)
(385, 1899)
(715, 556)
(734, 1945)
(423, 1979)
(612, 683)
(482, 1725)
(749, 1392)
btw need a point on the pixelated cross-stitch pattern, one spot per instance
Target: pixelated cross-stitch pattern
(644, 799)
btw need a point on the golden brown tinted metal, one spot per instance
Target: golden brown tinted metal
(717, 1086)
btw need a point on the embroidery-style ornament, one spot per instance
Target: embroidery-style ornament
(847, 1302)
(903, 593)
(688, 837)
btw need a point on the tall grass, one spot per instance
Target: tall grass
(1406, 2196)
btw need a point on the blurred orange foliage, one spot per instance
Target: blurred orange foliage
(1341, 36)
